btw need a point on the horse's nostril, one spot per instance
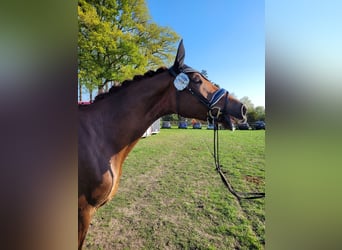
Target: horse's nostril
(243, 110)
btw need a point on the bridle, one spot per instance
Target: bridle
(213, 111)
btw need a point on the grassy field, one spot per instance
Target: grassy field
(171, 197)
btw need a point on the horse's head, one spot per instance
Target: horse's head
(197, 97)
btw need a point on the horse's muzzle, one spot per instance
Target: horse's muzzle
(239, 115)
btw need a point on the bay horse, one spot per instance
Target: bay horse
(112, 125)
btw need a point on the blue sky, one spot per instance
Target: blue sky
(224, 37)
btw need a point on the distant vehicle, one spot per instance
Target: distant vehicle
(182, 124)
(197, 125)
(244, 126)
(210, 126)
(166, 124)
(259, 125)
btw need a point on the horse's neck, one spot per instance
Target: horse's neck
(150, 98)
(130, 111)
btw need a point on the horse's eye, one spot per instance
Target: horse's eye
(197, 80)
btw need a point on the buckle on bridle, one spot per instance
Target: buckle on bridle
(211, 115)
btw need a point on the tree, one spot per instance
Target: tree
(233, 94)
(170, 117)
(204, 72)
(117, 40)
(253, 114)
(260, 113)
(245, 100)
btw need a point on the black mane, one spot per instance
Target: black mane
(126, 83)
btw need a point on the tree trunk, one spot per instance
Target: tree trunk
(80, 92)
(100, 89)
(91, 94)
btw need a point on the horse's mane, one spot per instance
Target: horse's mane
(126, 83)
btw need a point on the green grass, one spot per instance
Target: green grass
(171, 197)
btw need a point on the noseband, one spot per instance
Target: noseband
(210, 104)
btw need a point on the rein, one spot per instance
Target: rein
(238, 195)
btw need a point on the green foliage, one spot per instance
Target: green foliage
(204, 72)
(253, 113)
(248, 102)
(260, 112)
(256, 114)
(171, 117)
(118, 40)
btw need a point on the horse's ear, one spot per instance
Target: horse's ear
(179, 61)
